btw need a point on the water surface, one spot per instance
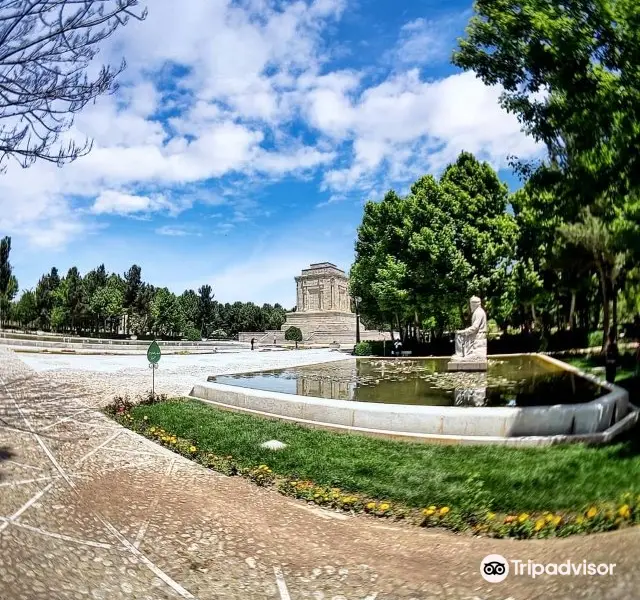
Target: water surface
(514, 381)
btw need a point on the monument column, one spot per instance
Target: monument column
(333, 293)
(299, 294)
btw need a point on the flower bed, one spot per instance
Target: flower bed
(472, 515)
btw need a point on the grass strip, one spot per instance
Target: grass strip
(499, 491)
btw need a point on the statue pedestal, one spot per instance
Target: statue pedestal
(463, 364)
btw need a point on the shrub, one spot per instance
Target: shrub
(363, 349)
(595, 339)
(293, 334)
(219, 334)
(192, 333)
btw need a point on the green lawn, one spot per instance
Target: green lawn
(417, 475)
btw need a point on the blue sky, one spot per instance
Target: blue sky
(245, 138)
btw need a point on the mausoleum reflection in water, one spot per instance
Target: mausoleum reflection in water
(514, 381)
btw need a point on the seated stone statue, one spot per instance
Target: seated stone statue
(471, 343)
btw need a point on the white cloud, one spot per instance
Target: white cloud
(238, 81)
(406, 126)
(177, 231)
(423, 41)
(111, 202)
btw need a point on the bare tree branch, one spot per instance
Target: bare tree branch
(46, 47)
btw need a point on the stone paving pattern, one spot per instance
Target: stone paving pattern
(91, 510)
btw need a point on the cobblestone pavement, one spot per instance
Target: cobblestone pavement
(90, 510)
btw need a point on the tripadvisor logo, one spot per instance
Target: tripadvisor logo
(495, 568)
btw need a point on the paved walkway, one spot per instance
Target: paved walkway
(90, 510)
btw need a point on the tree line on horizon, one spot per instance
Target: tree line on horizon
(97, 302)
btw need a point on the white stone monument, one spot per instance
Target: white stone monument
(471, 343)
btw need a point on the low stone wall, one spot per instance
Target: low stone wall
(26, 338)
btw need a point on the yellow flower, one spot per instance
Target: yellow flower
(385, 506)
(522, 517)
(556, 520)
(579, 520)
(192, 449)
(444, 510)
(427, 512)
(371, 506)
(539, 524)
(624, 511)
(548, 518)
(432, 507)
(592, 512)
(491, 516)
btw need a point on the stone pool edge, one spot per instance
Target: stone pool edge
(597, 422)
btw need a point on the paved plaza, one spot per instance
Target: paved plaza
(91, 510)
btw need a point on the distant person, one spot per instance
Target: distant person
(397, 345)
(253, 341)
(274, 340)
(612, 356)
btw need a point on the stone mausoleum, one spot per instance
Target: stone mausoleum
(323, 310)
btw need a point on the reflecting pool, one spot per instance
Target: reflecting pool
(512, 381)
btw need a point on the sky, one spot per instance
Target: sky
(245, 138)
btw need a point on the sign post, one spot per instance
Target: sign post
(153, 356)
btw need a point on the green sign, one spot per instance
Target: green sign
(153, 353)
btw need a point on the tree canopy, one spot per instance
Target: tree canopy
(570, 74)
(420, 257)
(101, 302)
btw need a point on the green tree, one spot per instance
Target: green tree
(106, 302)
(141, 320)
(381, 235)
(73, 297)
(25, 310)
(609, 256)
(166, 314)
(293, 334)
(190, 304)
(92, 282)
(8, 282)
(45, 297)
(570, 75)
(419, 258)
(133, 284)
(205, 309)
(569, 72)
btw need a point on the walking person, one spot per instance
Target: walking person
(612, 355)
(253, 341)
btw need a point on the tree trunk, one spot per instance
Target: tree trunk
(614, 311)
(533, 314)
(572, 310)
(605, 308)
